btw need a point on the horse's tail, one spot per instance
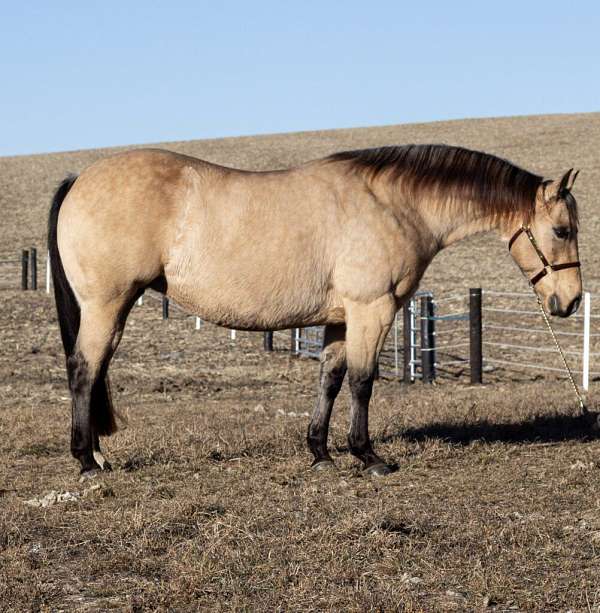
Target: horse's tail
(69, 315)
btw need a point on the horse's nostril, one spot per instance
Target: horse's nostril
(574, 305)
(553, 304)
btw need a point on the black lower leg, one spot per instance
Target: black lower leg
(80, 384)
(361, 387)
(330, 382)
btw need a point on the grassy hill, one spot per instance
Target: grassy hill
(547, 145)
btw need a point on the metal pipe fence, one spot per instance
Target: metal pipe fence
(481, 334)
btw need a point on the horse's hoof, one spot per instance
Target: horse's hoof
(377, 470)
(107, 466)
(322, 465)
(90, 473)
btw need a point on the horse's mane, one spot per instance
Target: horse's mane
(492, 185)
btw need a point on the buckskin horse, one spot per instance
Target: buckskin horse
(349, 238)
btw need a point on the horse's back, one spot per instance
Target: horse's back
(228, 244)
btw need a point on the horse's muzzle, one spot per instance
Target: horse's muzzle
(555, 308)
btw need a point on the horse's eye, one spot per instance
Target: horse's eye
(562, 233)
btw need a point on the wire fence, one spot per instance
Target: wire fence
(19, 270)
(434, 336)
(10, 270)
(525, 346)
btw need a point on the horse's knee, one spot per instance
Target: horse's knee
(361, 385)
(78, 373)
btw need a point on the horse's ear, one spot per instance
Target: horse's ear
(565, 180)
(572, 180)
(554, 189)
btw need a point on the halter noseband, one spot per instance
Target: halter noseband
(548, 268)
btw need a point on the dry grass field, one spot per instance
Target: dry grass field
(495, 503)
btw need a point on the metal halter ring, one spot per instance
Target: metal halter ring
(548, 268)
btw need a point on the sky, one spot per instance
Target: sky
(78, 75)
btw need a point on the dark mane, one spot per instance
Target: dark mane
(493, 185)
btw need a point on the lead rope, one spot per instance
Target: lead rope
(582, 406)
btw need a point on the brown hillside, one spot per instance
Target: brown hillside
(547, 145)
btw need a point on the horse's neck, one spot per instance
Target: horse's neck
(456, 231)
(450, 222)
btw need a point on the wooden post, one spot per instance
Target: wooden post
(24, 269)
(33, 267)
(165, 307)
(407, 341)
(268, 341)
(475, 336)
(427, 340)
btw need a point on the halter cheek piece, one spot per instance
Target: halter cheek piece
(548, 268)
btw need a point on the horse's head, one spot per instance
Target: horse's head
(545, 247)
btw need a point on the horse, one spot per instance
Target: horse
(349, 238)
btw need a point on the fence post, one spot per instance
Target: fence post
(165, 307)
(268, 341)
(33, 267)
(24, 269)
(48, 272)
(475, 340)
(427, 340)
(407, 341)
(585, 377)
(295, 335)
(396, 354)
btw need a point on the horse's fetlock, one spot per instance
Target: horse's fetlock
(359, 445)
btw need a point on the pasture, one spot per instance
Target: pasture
(211, 505)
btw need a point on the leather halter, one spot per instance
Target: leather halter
(548, 268)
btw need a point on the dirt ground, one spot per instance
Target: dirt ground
(211, 506)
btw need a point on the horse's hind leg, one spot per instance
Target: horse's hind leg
(333, 369)
(99, 333)
(367, 327)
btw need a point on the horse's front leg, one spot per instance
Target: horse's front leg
(331, 377)
(367, 327)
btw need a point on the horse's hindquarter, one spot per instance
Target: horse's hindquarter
(251, 250)
(115, 222)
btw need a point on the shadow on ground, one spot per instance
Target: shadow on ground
(542, 428)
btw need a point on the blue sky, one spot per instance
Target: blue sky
(89, 74)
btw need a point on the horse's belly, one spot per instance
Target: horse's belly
(255, 302)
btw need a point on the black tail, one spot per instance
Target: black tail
(102, 412)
